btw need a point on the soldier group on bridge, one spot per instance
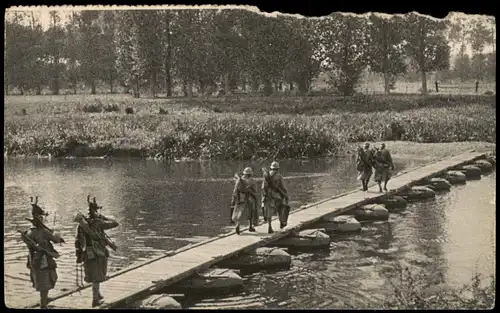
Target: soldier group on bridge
(91, 243)
(91, 249)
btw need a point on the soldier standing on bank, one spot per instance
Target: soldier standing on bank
(274, 196)
(41, 255)
(91, 242)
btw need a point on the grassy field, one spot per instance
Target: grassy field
(237, 128)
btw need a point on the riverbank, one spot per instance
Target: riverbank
(187, 132)
(309, 105)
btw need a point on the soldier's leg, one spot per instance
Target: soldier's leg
(231, 215)
(269, 214)
(251, 217)
(96, 296)
(44, 299)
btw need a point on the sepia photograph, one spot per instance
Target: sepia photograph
(225, 157)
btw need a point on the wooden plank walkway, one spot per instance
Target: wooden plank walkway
(140, 281)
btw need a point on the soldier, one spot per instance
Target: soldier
(383, 167)
(90, 244)
(244, 197)
(41, 255)
(274, 196)
(364, 164)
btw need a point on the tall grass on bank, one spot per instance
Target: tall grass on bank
(414, 290)
(238, 136)
(318, 105)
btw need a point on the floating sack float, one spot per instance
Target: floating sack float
(455, 177)
(159, 302)
(371, 212)
(439, 184)
(492, 159)
(418, 193)
(471, 171)
(342, 223)
(260, 258)
(393, 203)
(212, 279)
(312, 238)
(484, 166)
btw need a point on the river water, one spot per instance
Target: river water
(164, 207)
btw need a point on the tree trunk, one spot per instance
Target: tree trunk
(38, 90)
(92, 86)
(189, 88)
(387, 83)
(74, 88)
(291, 86)
(136, 88)
(227, 87)
(111, 85)
(268, 87)
(202, 88)
(153, 82)
(424, 82)
(168, 78)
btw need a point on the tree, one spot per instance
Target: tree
(426, 44)
(480, 36)
(71, 52)
(462, 68)
(491, 66)
(54, 50)
(107, 49)
(89, 42)
(129, 65)
(386, 49)
(168, 18)
(343, 49)
(300, 66)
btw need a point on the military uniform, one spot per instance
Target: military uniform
(364, 164)
(42, 266)
(383, 167)
(275, 201)
(244, 198)
(92, 251)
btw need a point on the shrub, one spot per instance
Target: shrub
(129, 110)
(422, 291)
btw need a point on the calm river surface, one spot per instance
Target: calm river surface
(164, 207)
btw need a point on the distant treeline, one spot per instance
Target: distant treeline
(229, 50)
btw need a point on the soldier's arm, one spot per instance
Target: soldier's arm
(29, 235)
(234, 197)
(108, 224)
(53, 237)
(389, 158)
(282, 187)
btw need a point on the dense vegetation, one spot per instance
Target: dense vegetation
(194, 129)
(415, 290)
(204, 51)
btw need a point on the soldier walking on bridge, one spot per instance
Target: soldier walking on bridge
(383, 167)
(41, 255)
(91, 242)
(364, 165)
(244, 197)
(274, 196)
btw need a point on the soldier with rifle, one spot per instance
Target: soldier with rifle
(91, 247)
(274, 196)
(41, 255)
(244, 197)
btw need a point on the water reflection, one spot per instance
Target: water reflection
(160, 207)
(452, 236)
